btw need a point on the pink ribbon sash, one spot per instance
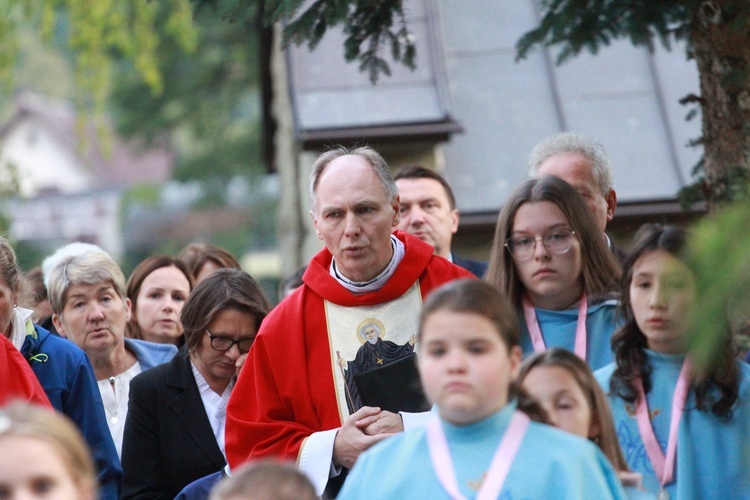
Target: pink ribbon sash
(503, 458)
(536, 333)
(663, 466)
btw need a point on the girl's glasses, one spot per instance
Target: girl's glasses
(557, 241)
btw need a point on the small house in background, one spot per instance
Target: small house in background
(474, 113)
(69, 185)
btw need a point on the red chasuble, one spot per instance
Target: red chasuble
(18, 381)
(292, 384)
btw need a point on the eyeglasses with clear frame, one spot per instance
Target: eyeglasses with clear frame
(557, 241)
(223, 344)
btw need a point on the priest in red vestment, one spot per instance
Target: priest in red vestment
(290, 401)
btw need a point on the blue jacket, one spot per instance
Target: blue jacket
(200, 489)
(67, 377)
(150, 354)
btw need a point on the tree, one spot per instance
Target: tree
(209, 106)
(717, 253)
(370, 26)
(717, 34)
(95, 31)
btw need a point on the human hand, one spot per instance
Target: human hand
(351, 441)
(385, 422)
(239, 363)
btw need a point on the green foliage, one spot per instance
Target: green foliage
(209, 104)
(731, 187)
(141, 194)
(577, 25)
(718, 254)
(95, 31)
(370, 27)
(31, 254)
(9, 180)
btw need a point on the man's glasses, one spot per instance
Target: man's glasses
(557, 241)
(222, 344)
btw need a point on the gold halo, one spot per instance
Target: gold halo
(370, 321)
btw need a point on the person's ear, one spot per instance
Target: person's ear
(455, 216)
(515, 356)
(129, 309)
(57, 321)
(315, 224)
(611, 200)
(395, 204)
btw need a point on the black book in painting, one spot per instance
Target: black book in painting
(393, 387)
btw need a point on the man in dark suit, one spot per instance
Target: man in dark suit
(427, 209)
(583, 163)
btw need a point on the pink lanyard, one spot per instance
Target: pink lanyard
(494, 479)
(536, 333)
(663, 466)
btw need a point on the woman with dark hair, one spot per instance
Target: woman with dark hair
(174, 432)
(158, 288)
(687, 430)
(553, 264)
(203, 258)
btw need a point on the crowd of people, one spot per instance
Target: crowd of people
(391, 367)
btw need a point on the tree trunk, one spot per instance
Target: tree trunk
(721, 41)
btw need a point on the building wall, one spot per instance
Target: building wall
(41, 161)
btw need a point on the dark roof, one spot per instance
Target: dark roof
(625, 97)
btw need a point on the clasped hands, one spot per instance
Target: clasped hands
(361, 430)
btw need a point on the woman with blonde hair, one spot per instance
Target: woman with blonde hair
(563, 384)
(43, 455)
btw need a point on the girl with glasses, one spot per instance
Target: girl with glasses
(554, 265)
(686, 429)
(174, 433)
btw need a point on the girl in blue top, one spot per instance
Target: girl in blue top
(554, 264)
(477, 444)
(563, 384)
(687, 432)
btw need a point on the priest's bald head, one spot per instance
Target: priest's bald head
(354, 209)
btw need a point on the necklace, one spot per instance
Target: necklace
(112, 405)
(114, 391)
